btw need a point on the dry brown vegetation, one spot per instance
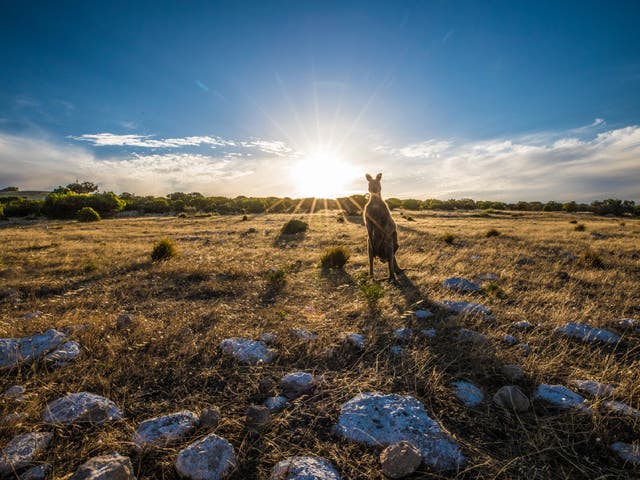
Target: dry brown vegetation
(218, 287)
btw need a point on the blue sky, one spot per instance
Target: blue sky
(492, 100)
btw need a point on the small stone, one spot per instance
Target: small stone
(525, 261)
(13, 419)
(469, 308)
(297, 383)
(304, 468)
(210, 458)
(487, 277)
(524, 348)
(31, 315)
(511, 397)
(512, 372)
(467, 393)
(396, 350)
(461, 285)
(17, 351)
(64, 354)
(627, 323)
(257, 417)
(22, 450)
(402, 334)
(470, 336)
(522, 325)
(275, 404)
(423, 314)
(83, 407)
(621, 408)
(39, 472)
(561, 397)
(429, 333)
(509, 339)
(247, 351)
(269, 338)
(304, 335)
(400, 459)
(587, 333)
(627, 452)
(125, 321)
(15, 393)
(594, 388)
(210, 417)
(165, 430)
(105, 467)
(356, 340)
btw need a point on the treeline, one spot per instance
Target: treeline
(65, 202)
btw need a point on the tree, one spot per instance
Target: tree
(84, 187)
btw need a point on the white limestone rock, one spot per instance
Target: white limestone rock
(561, 397)
(470, 308)
(627, 452)
(22, 450)
(105, 467)
(297, 383)
(523, 325)
(467, 393)
(83, 407)
(377, 419)
(247, 351)
(621, 408)
(423, 314)
(269, 338)
(39, 472)
(594, 388)
(462, 285)
(304, 335)
(356, 340)
(15, 393)
(165, 430)
(64, 354)
(587, 333)
(429, 333)
(17, 351)
(402, 334)
(211, 458)
(304, 468)
(275, 404)
(470, 336)
(509, 339)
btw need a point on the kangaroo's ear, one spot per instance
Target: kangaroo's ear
(369, 177)
(379, 176)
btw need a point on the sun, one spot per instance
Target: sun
(323, 173)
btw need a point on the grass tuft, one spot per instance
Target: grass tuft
(294, 226)
(580, 227)
(590, 258)
(448, 238)
(492, 233)
(335, 257)
(88, 214)
(164, 250)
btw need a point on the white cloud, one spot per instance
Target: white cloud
(273, 147)
(147, 141)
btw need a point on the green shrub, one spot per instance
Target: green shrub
(410, 219)
(245, 218)
(448, 238)
(335, 257)
(66, 205)
(276, 278)
(371, 291)
(22, 207)
(495, 289)
(294, 226)
(492, 233)
(88, 214)
(590, 258)
(1, 210)
(580, 227)
(89, 267)
(164, 250)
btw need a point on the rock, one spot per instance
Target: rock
(467, 393)
(377, 419)
(269, 338)
(31, 315)
(257, 417)
(275, 404)
(487, 277)
(511, 397)
(64, 354)
(561, 397)
(22, 450)
(17, 351)
(210, 417)
(304, 335)
(594, 388)
(461, 285)
(512, 372)
(621, 408)
(396, 350)
(627, 323)
(295, 384)
(525, 261)
(83, 407)
(247, 351)
(210, 458)
(466, 307)
(524, 348)
(470, 336)
(13, 419)
(523, 325)
(165, 430)
(125, 321)
(38, 472)
(429, 333)
(15, 393)
(402, 334)
(105, 467)
(509, 339)
(587, 333)
(627, 452)
(423, 314)
(400, 459)
(304, 468)
(356, 340)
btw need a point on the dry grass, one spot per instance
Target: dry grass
(218, 287)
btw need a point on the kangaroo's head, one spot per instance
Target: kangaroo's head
(374, 183)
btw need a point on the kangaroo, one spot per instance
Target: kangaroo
(382, 235)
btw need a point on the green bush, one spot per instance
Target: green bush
(580, 227)
(88, 214)
(276, 278)
(335, 257)
(164, 250)
(66, 205)
(89, 267)
(1, 210)
(448, 238)
(493, 233)
(591, 259)
(22, 207)
(294, 226)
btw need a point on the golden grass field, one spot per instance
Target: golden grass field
(77, 273)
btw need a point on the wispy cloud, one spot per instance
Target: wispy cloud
(147, 141)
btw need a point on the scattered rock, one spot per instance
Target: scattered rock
(621, 408)
(39, 472)
(17, 351)
(402, 334)
(525, 261)
(400, 459)
(83, 407)
(210, 417)
(524, 348)
(587, 333)
(561, 397)
(269, 338)
(304, 468)
(627, 452)
(512, 372)
(627, 323)
(13, 419)
(304, 335)
(31, 315)
(125, 321)
(15, 393)
(165, 430)
(523, 325)
(377, 419)
(22, 450)
(64, 354)
(396, 350)
(210, 458)
(594, 388)
(257, 417)
(461, 285)
(105, 467)
(469, 336)
(423, 314)
(429, 333)
(466, 307)
(487, 277)
(247, 351)
(509, 339)
(275, 404)
(356, 340)
(467, 393)
(511, 397)
(295, 384)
